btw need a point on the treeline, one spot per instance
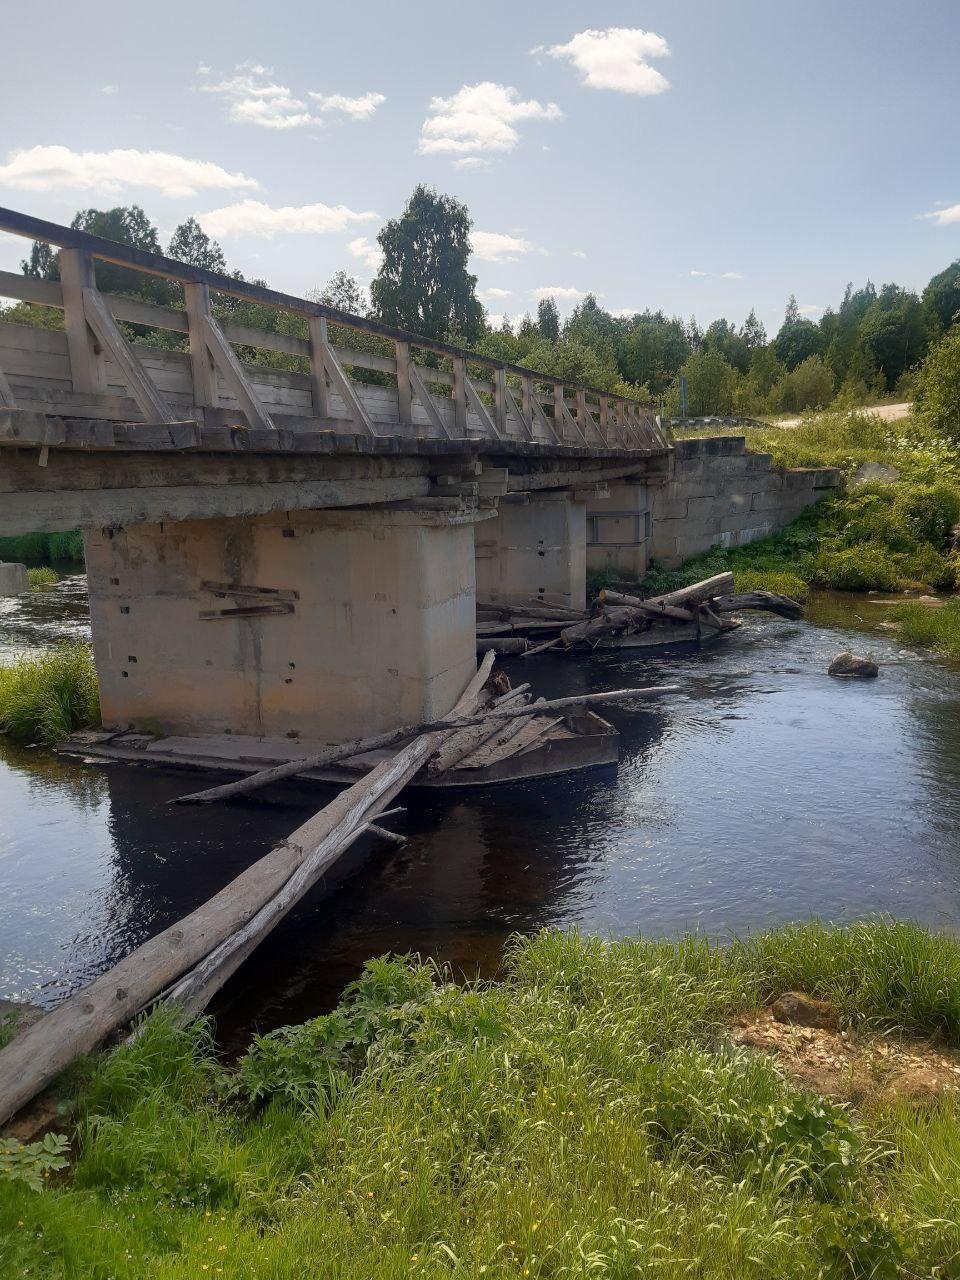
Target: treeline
(868, 348)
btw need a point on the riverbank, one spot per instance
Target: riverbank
(595, 1108)
(890, 529)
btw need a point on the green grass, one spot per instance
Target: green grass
(937, 629)
(40, 579)
(584, 1116)
(44, 697)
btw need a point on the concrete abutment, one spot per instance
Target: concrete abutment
(535, 549)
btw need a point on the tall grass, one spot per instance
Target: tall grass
(582, 1117)
(43, 548)
(937, 629)
(45, 697)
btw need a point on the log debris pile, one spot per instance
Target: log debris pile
(700, 611)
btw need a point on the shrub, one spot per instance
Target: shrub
(46, 697)
(937, 390)
(40, 579)
(867, 567)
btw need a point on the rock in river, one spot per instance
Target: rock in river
(848, 664)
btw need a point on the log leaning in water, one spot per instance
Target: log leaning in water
(78, 1025)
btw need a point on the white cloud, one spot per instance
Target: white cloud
(561, 293)
(492, 246)
(254, 218)
(810, 309)
(577, 253)
(493, 295)
(368, 251)
(943, 217)
(625, 313)
(361, 108)
(252, 97)
(480, 117)
(616, 58)
(109, 90)
(49, 168)
(718, 275)
(472, 162)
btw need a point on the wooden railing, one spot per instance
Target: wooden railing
(90, 369)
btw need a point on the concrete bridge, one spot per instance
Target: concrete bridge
(297, 548)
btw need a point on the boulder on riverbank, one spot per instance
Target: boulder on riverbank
(848, 665)
(873, 473)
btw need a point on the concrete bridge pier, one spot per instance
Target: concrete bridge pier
(619, 529)
(536, 549)
(325, 625)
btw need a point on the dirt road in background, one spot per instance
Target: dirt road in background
(888, 412)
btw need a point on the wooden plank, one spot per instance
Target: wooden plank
(500, 400)
(29, 289)
(152, 404)
(354, 405)
(318, 344)
(526, 429)
(203, 371)
(404, 387)
(232, 372)
(460, 395)
(426, 400)
(480, 409)
(86, 360)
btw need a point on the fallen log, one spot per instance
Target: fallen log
(770, 601)
(224, 926)
(647, 607)
(720, 584)
(457, 746)
(264, 777)
(506, 645)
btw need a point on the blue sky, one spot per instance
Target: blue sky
(699, 156)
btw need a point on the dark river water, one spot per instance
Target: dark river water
(764, 792)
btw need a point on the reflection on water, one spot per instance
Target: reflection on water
(764, 792)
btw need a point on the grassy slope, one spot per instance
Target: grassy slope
(580, 1118)
(877, 537)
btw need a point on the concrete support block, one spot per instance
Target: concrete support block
(535, 550)
(13, 578)
(352, 622)
(618, 530)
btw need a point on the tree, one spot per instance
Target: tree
(548, 319)
(753, 333)
(809, 386)
(941, 297)
(896, 332)
(798, 338)
(711, 382)
(190, 243)
(423, 284)
(42, 262)
(937, 388)
(345, 292)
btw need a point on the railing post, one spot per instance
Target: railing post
(404, 389)
(500, 400)
(460, 395)
(87, 372)
(526, 401)
(204, 371)
(317, 329)
(583, 417)
(604, 418)
(559, 417)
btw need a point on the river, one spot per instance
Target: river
(764, 792)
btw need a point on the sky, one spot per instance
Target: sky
(699, 156)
